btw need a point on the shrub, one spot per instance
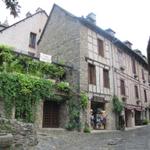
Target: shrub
(145, 122)
(86, 128)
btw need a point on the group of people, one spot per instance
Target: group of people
(98, 119)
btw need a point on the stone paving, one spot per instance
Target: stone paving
(137, 139)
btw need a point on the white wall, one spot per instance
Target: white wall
(17, 36)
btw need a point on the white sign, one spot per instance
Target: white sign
(45, 58)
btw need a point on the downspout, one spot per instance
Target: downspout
(113, 76)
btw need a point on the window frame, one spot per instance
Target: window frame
(145, 96)
(91, 74)
(136, 91)
(100, 46)
(106, 79)
(32, 40)
(122, 87)
(134, 66)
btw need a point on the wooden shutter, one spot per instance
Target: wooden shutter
(122, 87)
(136, 92)
(106, 78)
(91, 74)
(100, 47)
(145, 95)
(133, 66)
(143, 77)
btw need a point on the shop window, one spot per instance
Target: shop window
(145, 95)
(32, 40)
(91, 74)
(122, 87)
(106, 78)
(100, 47)
(136, 92)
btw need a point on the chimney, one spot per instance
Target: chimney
(91, 17)
(28, 14)
(39, 9)
(110, 31)
(128, 44)
(138, 52)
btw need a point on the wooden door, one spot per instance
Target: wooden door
(50, 115)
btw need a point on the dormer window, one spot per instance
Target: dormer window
(100, 47)
(32, 40)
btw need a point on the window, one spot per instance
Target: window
(91, 74)
(106, 78)
(143, 77)
(145, 95)
(32, 40)
(122, 87)
(133, 66)
(100, 47)
(136, 92)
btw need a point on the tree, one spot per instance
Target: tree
(14, 7)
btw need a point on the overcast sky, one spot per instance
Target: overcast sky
(130, 19)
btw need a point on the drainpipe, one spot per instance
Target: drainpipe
(113, 76)
(113, 68)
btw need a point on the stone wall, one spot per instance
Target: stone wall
(1, 108)
(23, 134)
(61, 39)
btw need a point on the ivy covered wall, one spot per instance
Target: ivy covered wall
(25, 81)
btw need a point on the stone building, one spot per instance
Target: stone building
(103, 65)
(23, 35)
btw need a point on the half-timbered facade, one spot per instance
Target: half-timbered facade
(103, 65)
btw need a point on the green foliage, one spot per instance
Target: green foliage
(87, 128)
(22, 83)
(145, 122)
(117, 104)
(25, 92)
(13, 6)
(75, 108)
(74, 114)
(63, 86)
(5, 127)
(12, 62)
(83, 100)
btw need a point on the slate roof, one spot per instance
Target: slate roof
(102, 32)
(24, 20)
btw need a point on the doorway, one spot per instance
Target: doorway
(96, 113)
(138, 118)
(51, 114)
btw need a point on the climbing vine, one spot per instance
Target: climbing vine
(76, 103)
(25, 81)
(117, 104)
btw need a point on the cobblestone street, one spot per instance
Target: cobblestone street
(137, 139)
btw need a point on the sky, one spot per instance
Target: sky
(130, 19)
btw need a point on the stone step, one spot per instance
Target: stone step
(45, 131)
